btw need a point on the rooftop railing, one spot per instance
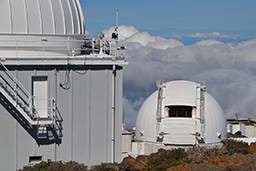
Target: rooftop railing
(94, 47)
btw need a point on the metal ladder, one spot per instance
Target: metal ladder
(202, 109)
(159, 106)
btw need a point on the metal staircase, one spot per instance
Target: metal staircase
(19, 99)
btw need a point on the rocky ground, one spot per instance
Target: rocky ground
(230, 157)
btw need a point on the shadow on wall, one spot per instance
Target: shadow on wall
(50, 134)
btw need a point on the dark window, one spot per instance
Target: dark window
(180, 111)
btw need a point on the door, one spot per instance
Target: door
(40, 94)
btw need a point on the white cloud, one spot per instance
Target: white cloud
(248, 43)
(210, 35)
(131, 109)
(228, 68)
(176, 36)
(143, 38)
(165, 44)
(208, 42)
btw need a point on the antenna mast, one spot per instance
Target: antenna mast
(116, 18)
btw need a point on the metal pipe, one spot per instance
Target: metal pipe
(113, 112)
(55, 146)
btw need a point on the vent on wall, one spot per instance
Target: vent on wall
(35, 159)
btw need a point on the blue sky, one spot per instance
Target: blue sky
(170, 17)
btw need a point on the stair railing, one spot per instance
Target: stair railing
(19, 93)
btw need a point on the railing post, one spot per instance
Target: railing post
(16, 92)
(68, 46)
(30, 105)
(93, 40)
(17, 49)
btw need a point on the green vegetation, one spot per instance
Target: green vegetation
(232, 147)
(56, 166)
(164, 159)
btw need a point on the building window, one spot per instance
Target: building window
(178, 111)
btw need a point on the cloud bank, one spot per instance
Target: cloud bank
(228, 68)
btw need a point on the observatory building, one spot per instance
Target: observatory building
(179, 113)
(60, 94)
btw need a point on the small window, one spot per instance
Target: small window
(35, 159)
(178, 111)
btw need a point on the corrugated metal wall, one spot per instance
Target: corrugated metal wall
(86, 109)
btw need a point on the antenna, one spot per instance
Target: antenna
(116, 18)
(115, 33)
(236, 114)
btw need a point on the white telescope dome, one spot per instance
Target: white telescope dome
(47, 17)
(185, 119)
(39, 28)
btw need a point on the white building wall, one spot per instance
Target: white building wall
(243, 129)
(235, 128)
(86, 109)
(250, 131)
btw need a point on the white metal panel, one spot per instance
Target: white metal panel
(34, 17)
(179, 131)
(58, 17)
(81, 17)
(250, 131)
(146, 119)
(5, 17)
(47, 17)
(214, 120)
(243, 129)
(75, 16)
(40, 91)
(41, 17)
(180, 93)
(19, 20)
(68, 16)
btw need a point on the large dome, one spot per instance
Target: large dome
(48, 17)
(189, 116)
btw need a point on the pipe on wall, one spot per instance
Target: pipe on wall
(113, 112)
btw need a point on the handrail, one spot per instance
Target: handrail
(57, 118)
(24, 100)
(20, 92)
(12, 77)
(69, 47)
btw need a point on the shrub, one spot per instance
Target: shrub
(233, 146)
(56, 166)
(197, 154)
(103, 166)
(164, 159)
